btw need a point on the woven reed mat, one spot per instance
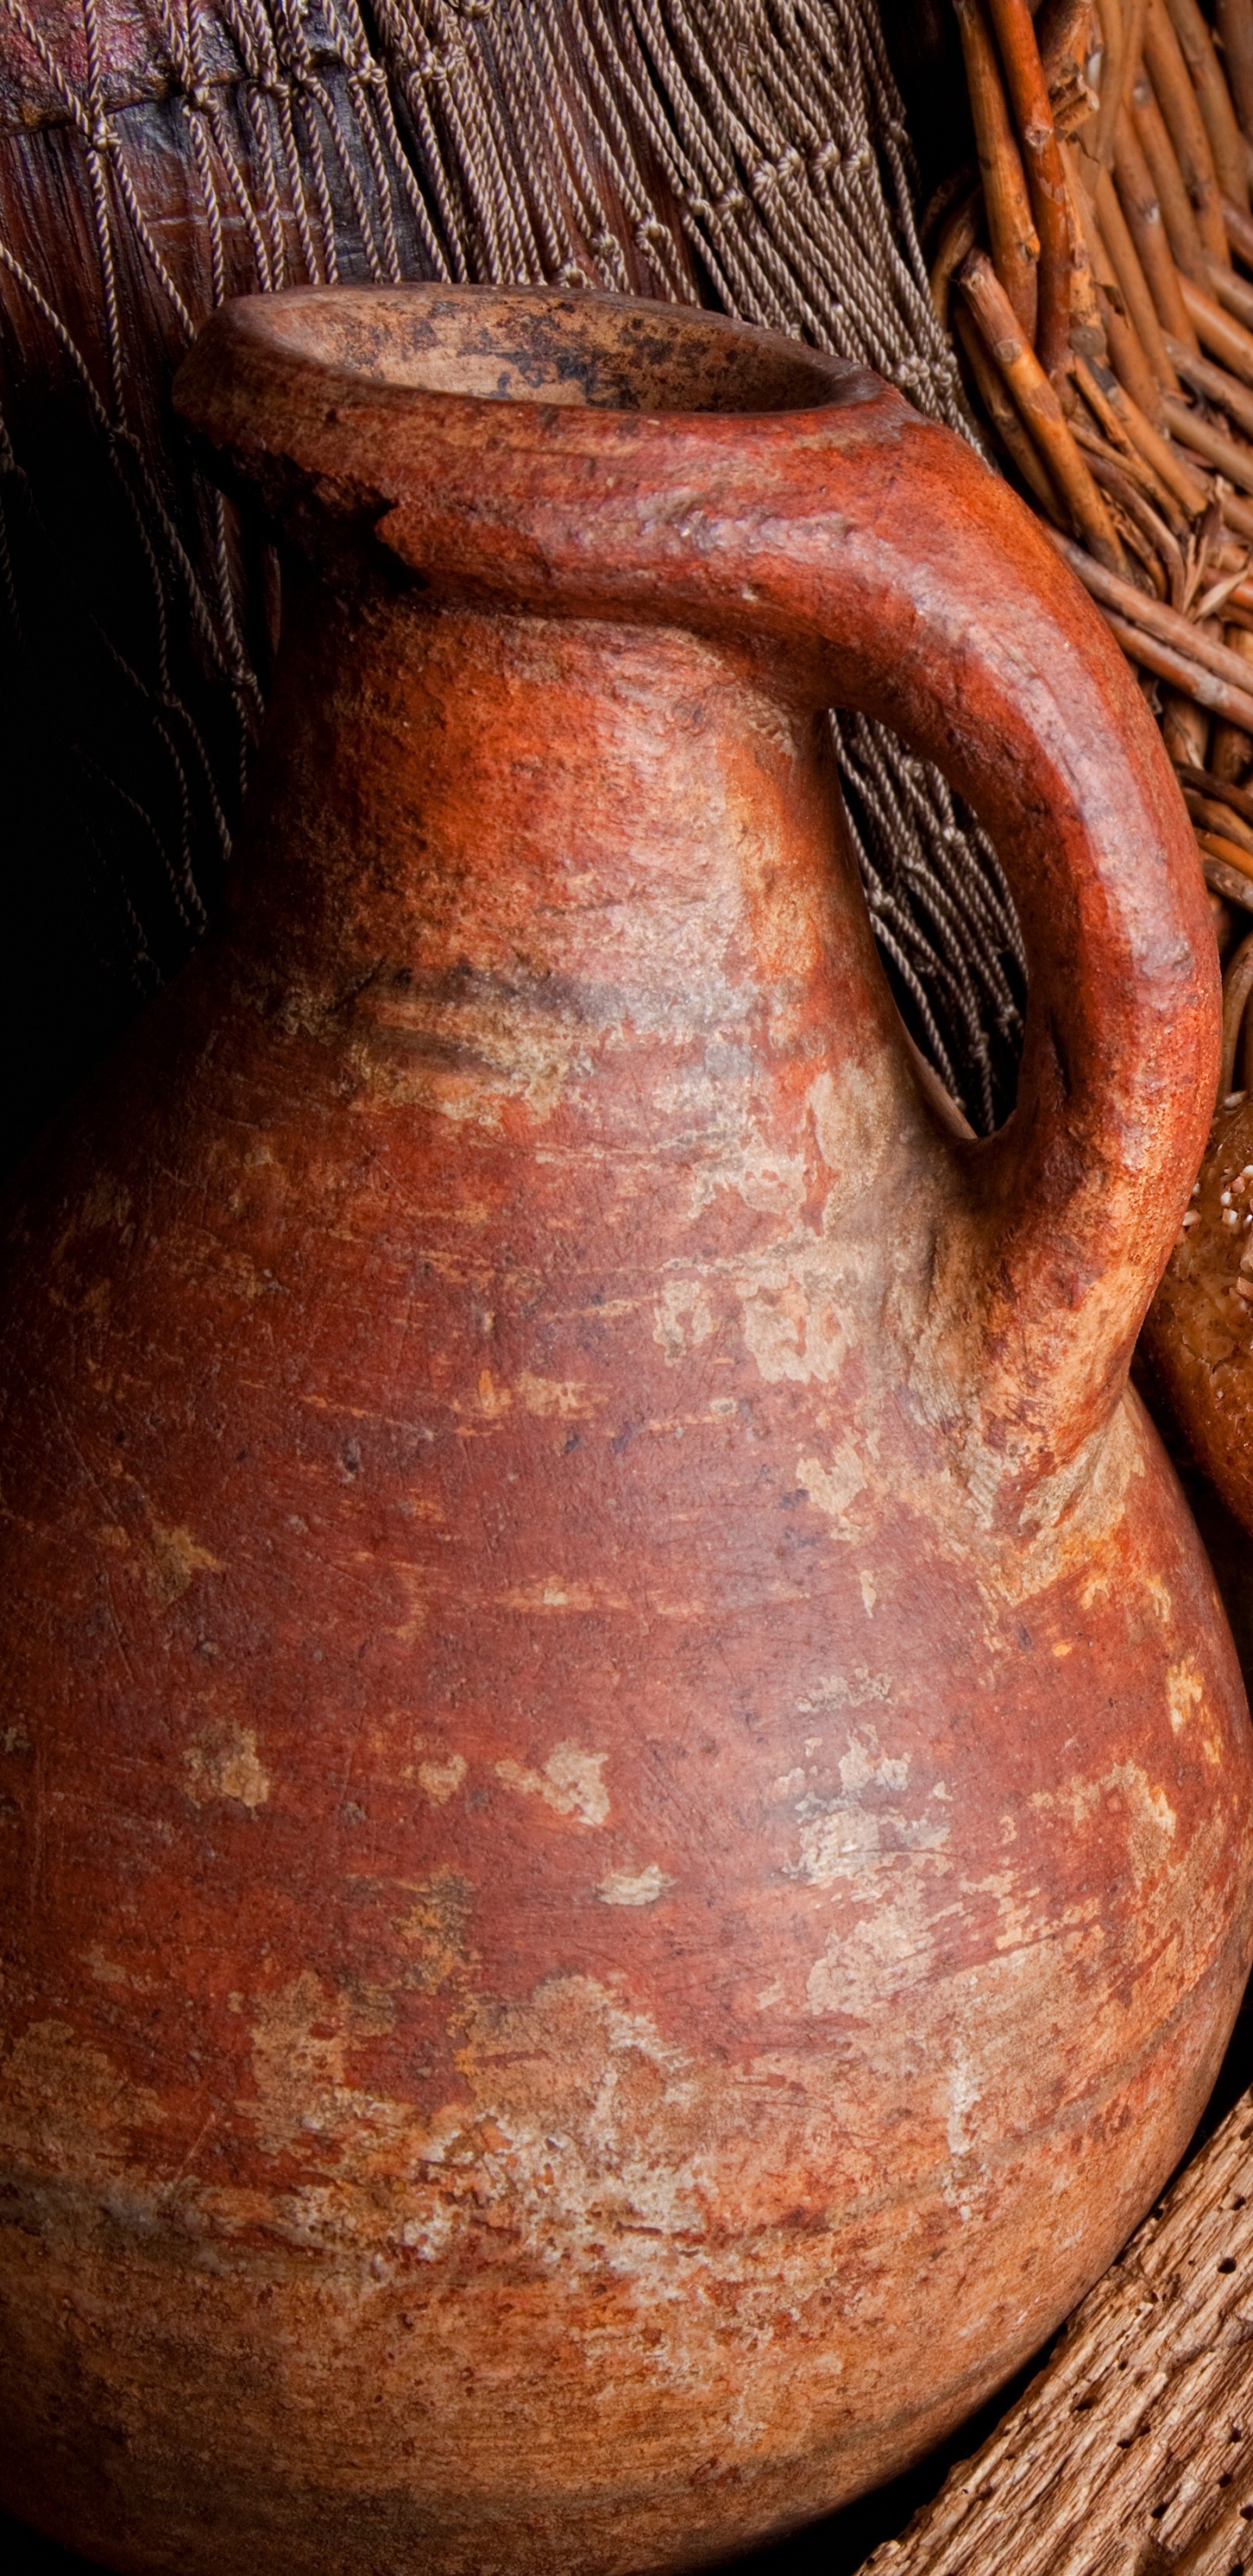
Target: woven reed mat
(158, 155)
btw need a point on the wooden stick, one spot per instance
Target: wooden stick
(1138, 198)
(1011, 233)
(1033, 116)
(1087, 318)
(1177, 100)
(1098, 401)
(1239, 230)
(1233, 747)
(1058, 24)
(1182, 231)
(1185, 729)
(1227, 881)
(1214, 604)
(1158, 452)
(1040, 409)
(1203, 781)
(1236, 514)
(1138, 548)
(1214, 817)
(1227, 147)
(1237, 986)
(1005, 420)
(1124, 259)
(1114, 476)
(1127, 357)
(961, 232)
(1124, 38)
(1214, 384)
(1232, 290)
(1219, 332)
(1059, 29)
(1217, 449)
(1234, 21)
(951, 192)
(1242, 1068)
(1189, 677)
(1163, 623)
(1133, 462)
(1136, 513)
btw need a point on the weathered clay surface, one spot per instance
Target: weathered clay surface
(626, 1795)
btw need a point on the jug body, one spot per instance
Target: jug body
(614, 1904)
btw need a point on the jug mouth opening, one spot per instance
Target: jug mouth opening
(549, 346)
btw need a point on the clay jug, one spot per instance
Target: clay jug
(627, 1799)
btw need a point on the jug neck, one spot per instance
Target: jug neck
(621, 835)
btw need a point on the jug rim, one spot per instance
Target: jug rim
(427, 345)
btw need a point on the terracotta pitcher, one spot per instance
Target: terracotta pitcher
(627, 1800)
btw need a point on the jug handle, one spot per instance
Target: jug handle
(871, 555)
(932, 599)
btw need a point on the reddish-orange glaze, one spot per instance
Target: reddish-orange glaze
(625, 1793)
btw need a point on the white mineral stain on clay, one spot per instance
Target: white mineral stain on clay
(1185, 1691)
(1151, 1819)
(682, 1318)
(110, 1972)
(104, 1969)
(441, 1780)
(302, 2039)
(839, 1690)
(864, 1764)
(833, 1487)
(570, 1783)
(530, 1058)
(65, 2107)
(846, 1107)
(559, 1592)
(770, 1183)
(839, 1838)
(108, 1202)
(557, 1399)
(963, 2097)
(847, 1836)
(638, 1887)
(174, 1556)
(791, 1331)
(222, 1763)
(889, 1950)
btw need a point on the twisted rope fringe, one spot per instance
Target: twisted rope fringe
(744, 153)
